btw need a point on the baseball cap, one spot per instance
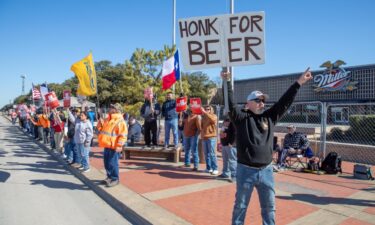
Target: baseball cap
(255, 95)
(117, 106)
(291, 126)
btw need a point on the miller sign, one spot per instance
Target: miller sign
(334, 78)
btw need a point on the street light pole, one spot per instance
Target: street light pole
(23, 84)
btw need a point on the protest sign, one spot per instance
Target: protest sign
(222, 41)
(66, 97)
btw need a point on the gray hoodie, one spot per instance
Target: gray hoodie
(83, 131)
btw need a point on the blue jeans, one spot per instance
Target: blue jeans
(84, 151)
(168, 125)
(111, 163)
(263, 181)
(209, 153)
(191, 145)
(70, 151)
(229, 161)
(181, 136)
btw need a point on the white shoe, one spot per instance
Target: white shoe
(208, 171)
(85, 170)
(215, 172)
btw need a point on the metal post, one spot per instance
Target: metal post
(228, 69)
(174, 36)
(174, 23)
(231, 68)
(323, 133)
(23, 84)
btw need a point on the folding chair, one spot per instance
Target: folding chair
(296, 161)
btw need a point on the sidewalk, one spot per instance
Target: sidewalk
(154, 191)
(198, 198)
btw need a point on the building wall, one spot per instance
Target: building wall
(275, 86)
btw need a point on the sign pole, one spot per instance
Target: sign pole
(228, 69)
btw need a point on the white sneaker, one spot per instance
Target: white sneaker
(215, 172)
(86, 170)
(208, 171)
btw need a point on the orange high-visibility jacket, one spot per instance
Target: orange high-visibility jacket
(44, 121)
(113, 132)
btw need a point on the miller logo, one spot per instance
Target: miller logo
(334, 78)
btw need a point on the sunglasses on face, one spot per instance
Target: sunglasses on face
(208, 109)
(259, 100)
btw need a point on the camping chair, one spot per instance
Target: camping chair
(297, 160)
(300, 159)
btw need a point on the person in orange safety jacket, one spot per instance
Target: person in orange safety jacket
(112, 136)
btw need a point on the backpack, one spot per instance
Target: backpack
(332, 163)
(363, 172)
(312, 165)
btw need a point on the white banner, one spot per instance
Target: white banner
(222, 41)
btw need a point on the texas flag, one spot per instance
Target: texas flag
(171, 71)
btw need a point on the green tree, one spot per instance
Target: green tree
(200, 85)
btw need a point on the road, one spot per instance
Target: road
(36, 189)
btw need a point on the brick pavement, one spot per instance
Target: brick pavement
(164, 193)
(198, 198)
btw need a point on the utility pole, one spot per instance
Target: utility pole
(23, 84)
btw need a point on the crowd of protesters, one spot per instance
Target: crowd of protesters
(250, 129)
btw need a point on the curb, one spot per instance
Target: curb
(137, 210)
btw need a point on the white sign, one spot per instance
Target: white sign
(222, 41)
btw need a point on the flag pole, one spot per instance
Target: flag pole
(174, 32)
(32, 93)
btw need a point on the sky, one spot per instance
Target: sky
(41, 39)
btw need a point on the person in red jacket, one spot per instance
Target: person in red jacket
(58, 126)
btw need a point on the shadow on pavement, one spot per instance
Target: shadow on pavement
(41, 167)
(168, 171)
(313, 199)
(4, 176)
(3, 153)
(60, 184)
(326, 179)
(174, 175)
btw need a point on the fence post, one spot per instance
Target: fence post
(323, 132)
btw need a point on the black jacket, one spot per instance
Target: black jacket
(255, 132)
(230, 136)
(168, 109)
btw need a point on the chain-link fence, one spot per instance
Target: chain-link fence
(348, 129)
(307, 118)
(351, 131)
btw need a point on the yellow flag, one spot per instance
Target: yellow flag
(85, 72)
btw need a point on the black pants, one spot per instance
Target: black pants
(151, 129)
(46, 137)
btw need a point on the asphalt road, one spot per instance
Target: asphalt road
(36, 189)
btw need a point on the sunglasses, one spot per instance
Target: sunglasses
(257, 100)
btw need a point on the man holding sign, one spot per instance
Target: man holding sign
(254, 147)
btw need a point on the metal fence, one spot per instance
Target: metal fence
(348, 129)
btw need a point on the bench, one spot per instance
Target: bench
(170, 154)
